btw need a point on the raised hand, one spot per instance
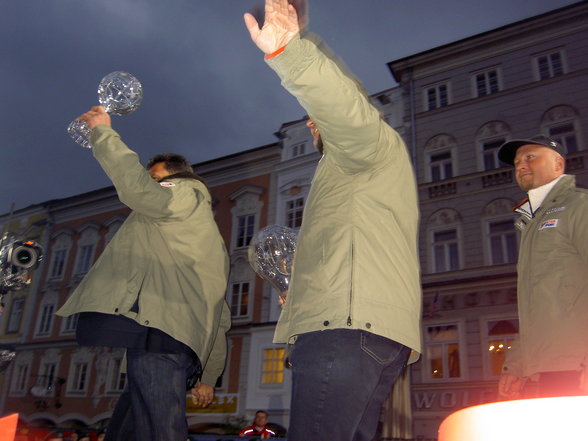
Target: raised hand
(280, 26)
(95, 116)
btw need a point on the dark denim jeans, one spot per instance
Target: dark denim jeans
(153, 405)
(340, 380)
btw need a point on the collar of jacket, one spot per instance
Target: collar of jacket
(565, 184)
(185, 175)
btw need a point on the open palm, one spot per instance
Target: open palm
(280, 26)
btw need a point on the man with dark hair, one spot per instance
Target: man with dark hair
(352, 313)
(158, 290)
(550, 355)
(259, 427)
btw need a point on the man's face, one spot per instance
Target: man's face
(260, 419)
(536, 165)
(158, 171)
(316, 136)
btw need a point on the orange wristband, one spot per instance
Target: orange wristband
(276, 53)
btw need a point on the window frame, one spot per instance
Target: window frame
(485, 339)
(504, 246)
(462, 348)
(438, 95)
(476, 92)
(433, 247)
(297, 211)
(21, 301)
(45, 318)
(537, 70)
(250, 293)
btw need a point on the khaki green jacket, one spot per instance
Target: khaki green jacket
(356, 264)
(552, 286)
(168, 252)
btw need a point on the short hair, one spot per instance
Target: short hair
(174, 163)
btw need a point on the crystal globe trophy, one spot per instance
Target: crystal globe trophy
(271, 254)
(120, 93)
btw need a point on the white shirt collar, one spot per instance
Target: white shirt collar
(537, 195)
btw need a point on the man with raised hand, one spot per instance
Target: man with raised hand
(353, 308)
(158, 289)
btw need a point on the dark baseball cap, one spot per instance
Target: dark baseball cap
(508, 150)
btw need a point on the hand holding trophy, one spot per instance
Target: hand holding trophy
(120, 93)
(271, 254)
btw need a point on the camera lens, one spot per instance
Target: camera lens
(24, 257)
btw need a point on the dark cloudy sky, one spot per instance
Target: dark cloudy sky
(208, 92)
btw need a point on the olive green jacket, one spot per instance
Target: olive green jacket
(168, 253)
(356, 264)
(552, 285)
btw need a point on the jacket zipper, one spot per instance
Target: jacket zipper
(349, 321)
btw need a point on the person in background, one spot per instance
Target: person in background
(259, 427)
(550, 355)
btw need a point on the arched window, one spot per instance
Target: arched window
(444, 233)
(489, 138)
(561, 123)
(501, 244)
(440, 157)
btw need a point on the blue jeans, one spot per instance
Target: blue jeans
(153, 404)
(340, 380)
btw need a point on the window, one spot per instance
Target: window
(549, 65)
(78, 380)
(565, 134)
(500, 335)
(489, 138)
(240, 299)
(20, 379)
(46, 319)
(85, 257)
(69, 324)
(445, 250)
(436, 96)
(441, 166)
(490, 153)
(298, 149)
(502, 239)
(294, 211)
(61, 246)
(46, 378)
(58, 266)
(116, 379)
(441, 157)
(245, 229)
(272, 366)
(562, 123)
(486, 83)
(443, 351)
(16, 311)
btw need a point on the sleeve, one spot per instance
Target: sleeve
(215, 364)
(134, 186)
(578, 228)
(351, 127)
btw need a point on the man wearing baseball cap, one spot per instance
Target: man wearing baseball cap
(550, 356)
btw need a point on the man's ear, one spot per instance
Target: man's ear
(560, 163)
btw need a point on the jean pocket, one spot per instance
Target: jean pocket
(381, 349)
